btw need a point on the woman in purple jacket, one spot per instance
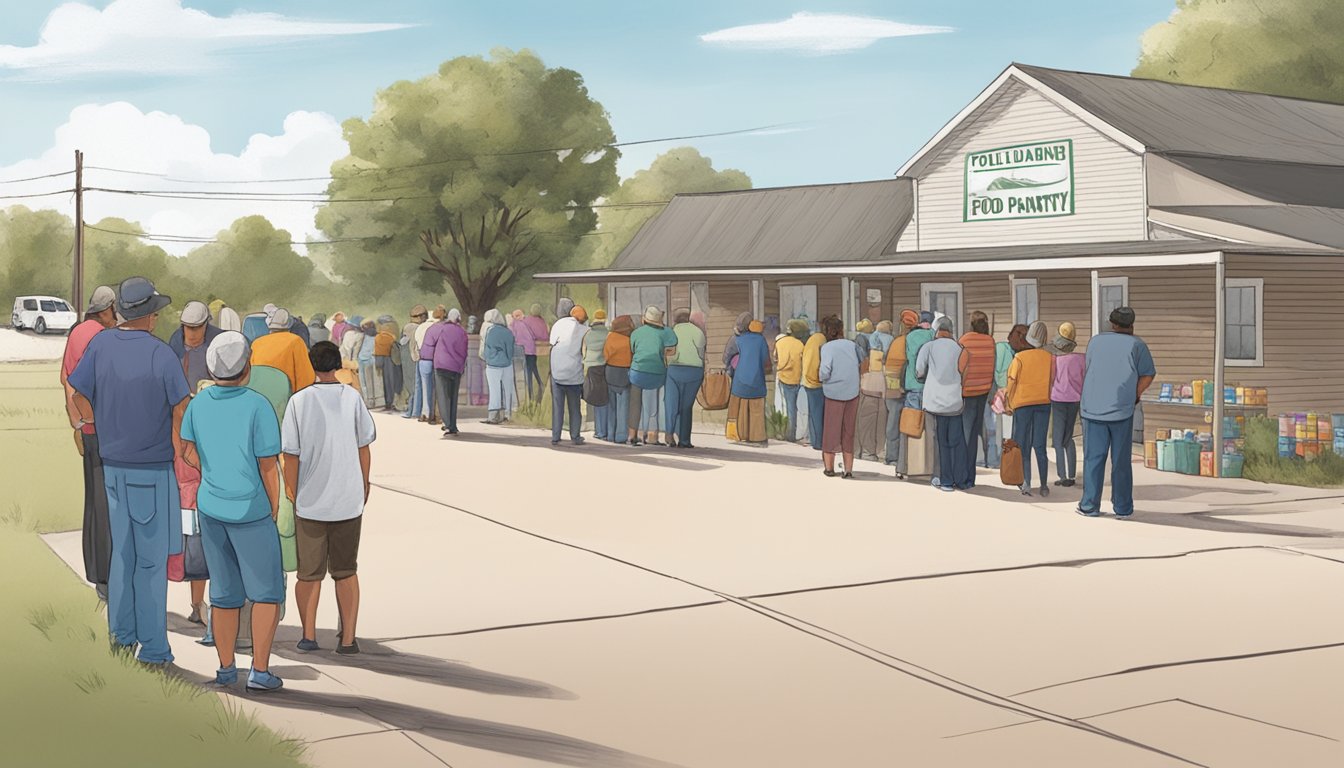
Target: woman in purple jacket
(446, 344)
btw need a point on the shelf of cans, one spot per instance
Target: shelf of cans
(1307, 435)
(1191, 452)
(1201, 391)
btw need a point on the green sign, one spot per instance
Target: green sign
(1025, 181)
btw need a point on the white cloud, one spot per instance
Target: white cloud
(155, 37)
(119, 135)
(818, 33)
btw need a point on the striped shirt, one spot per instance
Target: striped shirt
(979, 374)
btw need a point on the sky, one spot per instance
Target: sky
(210, 89)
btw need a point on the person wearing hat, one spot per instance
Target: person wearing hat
(190, 340)
(445, 352)
(338, 327)
(789, 371)
(1066, 390)
(97, 538)
(384, 360)
(914, 388)
(410, 360)
(364, 359)
(425, 410)
(813, 390)
(595, 372)
(746, 401)
(650, 345)
(231, 433)
(976, 385)
(282, 350)
(326, 438)
(868, 425)
(317, 328)
(1117, 371)
(131, 387)
(1028, 400)
(496, 352)
(685, 375)
(566, 373)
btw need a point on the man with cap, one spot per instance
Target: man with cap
(130, 385)
(1066, 390)
(1118, 370)
(190, 340)
(649, 346)
(410, 360)
(282, 350)
(567, 374)
(231, 433)
(99, 316)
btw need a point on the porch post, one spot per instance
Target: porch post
(758, 300)
(1219, 356)
(846, 306)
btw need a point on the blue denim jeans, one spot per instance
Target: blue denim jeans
(895, 406)
(1064, 417)
(565, 397)
(425, 389)
(972, 429)
(1030, 425)
(1101, 438)
(619, 404)
(791, 409)
(816, 405)
(601, 420)
(145, 515)
(413, 402)
(683, 382)
(951, 451)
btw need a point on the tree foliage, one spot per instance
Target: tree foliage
(36, 250)
(496, 163)
(677, 171)
(250, 264)
(1287, 48)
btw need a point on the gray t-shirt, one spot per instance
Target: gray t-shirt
(937, 365)
(325, 425)
(839, 371)
(1115, 361)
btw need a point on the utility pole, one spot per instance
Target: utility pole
(77, 294)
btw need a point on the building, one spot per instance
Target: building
(1218, 215)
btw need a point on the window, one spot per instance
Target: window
(700, 299)
(1243, 326)
(1109, 294)
(30, 305)
(1026, 304)
(799, 301)
(943, 299)
(632, 298)
(48, 306)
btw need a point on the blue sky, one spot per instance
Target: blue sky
(866, 110)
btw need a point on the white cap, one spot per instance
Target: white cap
(278, 320)
(227, 355)
(195, 314)
(269, 309)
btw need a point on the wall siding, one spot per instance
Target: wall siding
(1108, 181)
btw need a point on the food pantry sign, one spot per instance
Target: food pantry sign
(1026, 181)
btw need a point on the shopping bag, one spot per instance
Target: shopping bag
(713, 395)
(595, 386)
(193, 558)
(1010, 464)
(912, 422)
(731, 431)
(284, 523)
(873, 383)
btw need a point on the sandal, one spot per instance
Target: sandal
(828, 472)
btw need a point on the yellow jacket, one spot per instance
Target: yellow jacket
(789, 361)
(812, 361)
(286, 352)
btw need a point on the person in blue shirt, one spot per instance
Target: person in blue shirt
(746, 402)
(1118, 370)
(131, 385)
(231, 433)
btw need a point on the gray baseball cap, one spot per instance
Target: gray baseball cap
(102, 298)
(227, 355)
(195, 314)
(278, 320)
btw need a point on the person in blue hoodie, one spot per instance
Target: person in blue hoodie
(746, 402)
(497, 351)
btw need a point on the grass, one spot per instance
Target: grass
(1264, 464)
(67, 698)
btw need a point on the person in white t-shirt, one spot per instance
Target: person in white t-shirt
(325, 438)
(567, 374)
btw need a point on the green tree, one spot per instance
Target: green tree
(1287, 48)
(677, 171)
(496, 162)
(251, 264)
(36, 250)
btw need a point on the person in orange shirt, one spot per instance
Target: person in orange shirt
(1029, 381)
(975, 386)
(284, 351)
(383, 347)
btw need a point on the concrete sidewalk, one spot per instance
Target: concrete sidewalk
(731, 606)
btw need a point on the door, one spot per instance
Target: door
(944, 299)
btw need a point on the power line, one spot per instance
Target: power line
(39, 194)
(305, 197)
(445, 161)
(206, 240)
(35, 178)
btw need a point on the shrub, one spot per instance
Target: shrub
(1264, 464)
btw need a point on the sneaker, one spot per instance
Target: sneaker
(259, 680)
(1059, 483)
(555, 442)
(408, 416)
(947, 489)
(578, 441)
(306, 645)
(226, 675)
(1069, 483)
(1125, 516)
(452, 432)
(424, 419)
(1086, 513)
(1026, 491)
(935, 482)
(847, 476)
(348, 650)
(1045, 490)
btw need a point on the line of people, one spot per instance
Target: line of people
(250, 453)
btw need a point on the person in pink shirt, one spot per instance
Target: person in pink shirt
(97, 533)
(536, 326)
(523, 337)
(1066, 392)
(339, 327)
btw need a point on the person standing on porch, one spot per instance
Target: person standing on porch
(1029, 402)
(746, 401)
(813, 389)
(1118, 370)
(914, 387)
(1065, 392)
(869, 424)
(942, 364)
(894, 364)
(685, 374)
(839, 374)
(978, 380)
(789, 371)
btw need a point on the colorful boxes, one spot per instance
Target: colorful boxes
(1150, 454)
(1166, 456)
(1233, 465)
(1206, 463)
(1187, 457)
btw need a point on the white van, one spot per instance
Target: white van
(43, 314)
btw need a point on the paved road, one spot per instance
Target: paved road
(528, 605)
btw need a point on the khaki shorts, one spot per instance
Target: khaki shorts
(327, 548)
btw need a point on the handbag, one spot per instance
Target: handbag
(284, 523)
(1000, 403)
(595, 386)
(1010, 464)
(912, 422)
(714, 392)
(873, 383)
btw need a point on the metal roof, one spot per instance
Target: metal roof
(1310, 223)
(1210, 121)
(1288, 183)
(771, 227)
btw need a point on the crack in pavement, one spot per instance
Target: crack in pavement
(426, 749)
(551, 622)
(1154, 704)
(892, 662)
(1185, 663)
